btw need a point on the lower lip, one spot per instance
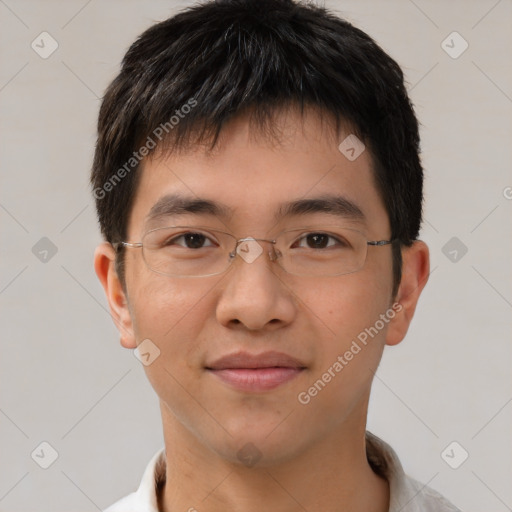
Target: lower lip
(258, 379)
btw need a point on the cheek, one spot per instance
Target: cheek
(349, 338)
(345, 305)
(160, 304)
(157, 307)
(346, 312)
(171, 313)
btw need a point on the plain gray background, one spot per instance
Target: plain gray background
(65, 379)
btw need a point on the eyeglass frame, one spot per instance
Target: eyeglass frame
(232, 254)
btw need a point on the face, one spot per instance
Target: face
(301, 366)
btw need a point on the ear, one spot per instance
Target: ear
(415, 272)
(104, 265)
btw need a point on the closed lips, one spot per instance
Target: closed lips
(251, 373)
(245, 360)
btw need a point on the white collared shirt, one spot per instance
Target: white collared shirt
(406, 494)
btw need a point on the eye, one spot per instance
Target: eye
(318, 241)
(190, 240)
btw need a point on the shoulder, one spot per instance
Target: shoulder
(424, 499)
(406, 493)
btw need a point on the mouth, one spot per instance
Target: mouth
(256, 373)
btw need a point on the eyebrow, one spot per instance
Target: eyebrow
(175, 204)
(330, 204)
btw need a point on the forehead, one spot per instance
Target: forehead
(253, 177)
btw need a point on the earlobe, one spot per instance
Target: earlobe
(104, 265)
(415, 272)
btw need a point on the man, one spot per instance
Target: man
(259, 188)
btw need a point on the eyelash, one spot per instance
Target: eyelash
(323, 234)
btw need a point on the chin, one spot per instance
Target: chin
(258, 446)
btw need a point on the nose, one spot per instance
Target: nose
(254, 295)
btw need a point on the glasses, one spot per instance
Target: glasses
(186, 251)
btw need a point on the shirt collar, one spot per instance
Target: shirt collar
(152, 480)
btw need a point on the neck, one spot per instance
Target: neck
(331, 474)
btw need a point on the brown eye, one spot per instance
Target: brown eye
(190, 241)
(317, 241)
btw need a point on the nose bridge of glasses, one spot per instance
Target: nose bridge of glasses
(250, 248)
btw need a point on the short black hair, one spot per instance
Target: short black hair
(185, 77)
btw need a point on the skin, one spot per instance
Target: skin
(311, 456)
